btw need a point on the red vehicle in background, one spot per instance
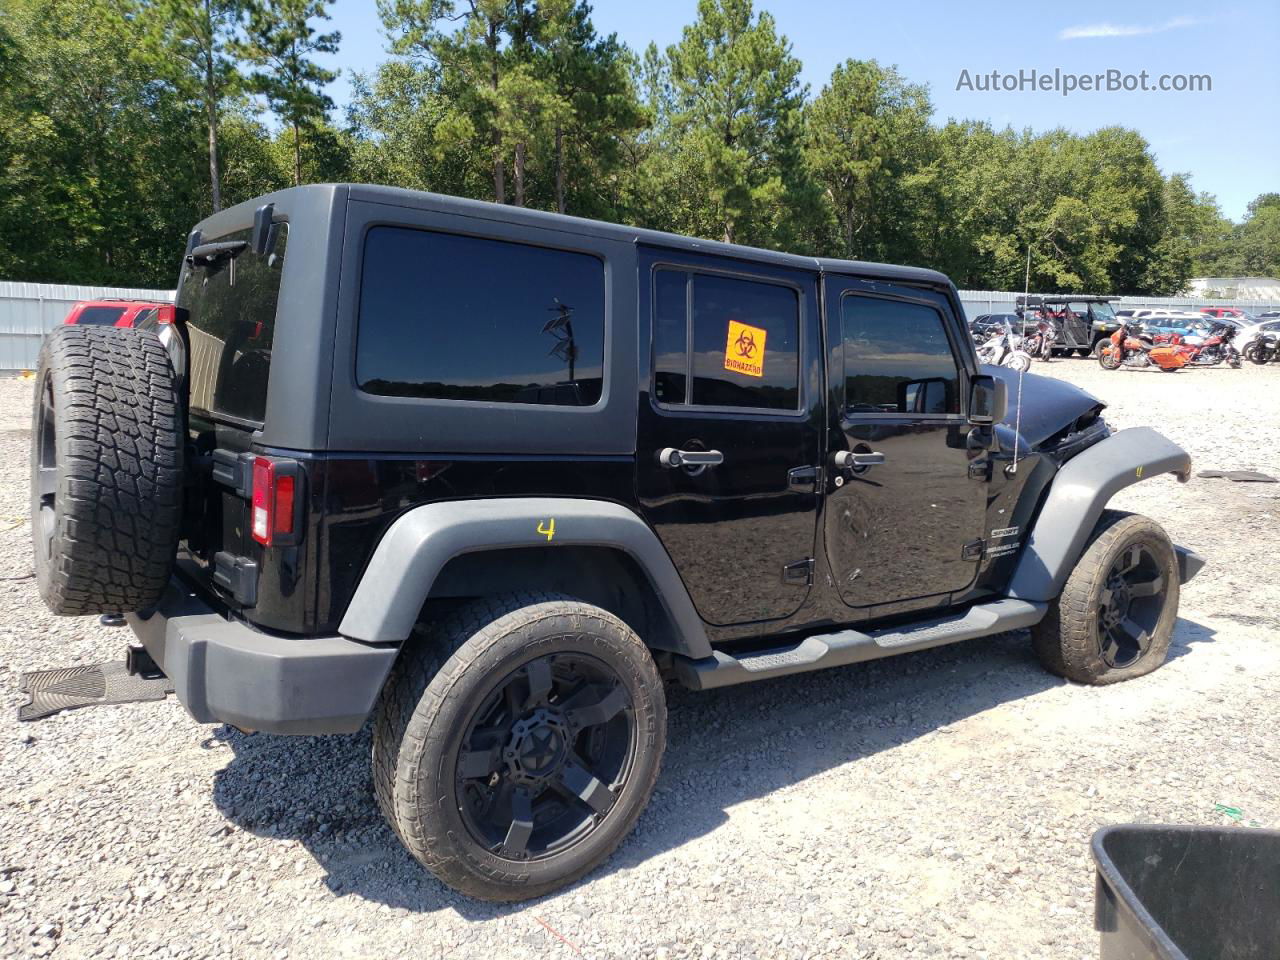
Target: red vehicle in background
(119, 313)
(1231, 313)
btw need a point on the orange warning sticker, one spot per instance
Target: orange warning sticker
(744, 350)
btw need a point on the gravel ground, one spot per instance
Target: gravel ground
(937, 804)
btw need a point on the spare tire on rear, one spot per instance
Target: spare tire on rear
(106, 470)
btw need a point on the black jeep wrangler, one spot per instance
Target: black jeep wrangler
(489, 476)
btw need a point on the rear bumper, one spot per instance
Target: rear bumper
(224, 671)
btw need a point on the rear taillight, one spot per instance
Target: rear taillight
(274, 501)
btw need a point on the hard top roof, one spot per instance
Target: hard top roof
(419, 199)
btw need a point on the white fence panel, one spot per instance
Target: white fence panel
(30, 310)
(978, 302)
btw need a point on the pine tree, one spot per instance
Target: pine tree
(280, 43)
(737, 106)
(199, 36)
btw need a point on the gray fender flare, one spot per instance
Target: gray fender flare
(415, 549)
(1077, 496)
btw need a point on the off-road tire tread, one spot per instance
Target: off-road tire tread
(119, 439)
(1064, 640)
(427, 673)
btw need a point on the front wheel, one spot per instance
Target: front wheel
(1114, 618)
(1109, 358)
(515, 748)
(1019, 361)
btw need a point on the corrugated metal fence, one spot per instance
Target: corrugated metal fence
(29, 310)
(978, 302)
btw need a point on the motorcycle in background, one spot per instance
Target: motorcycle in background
(1262, 348)
(1004, 349)
(1040, 343)
(1129, 347)
(1213, 349)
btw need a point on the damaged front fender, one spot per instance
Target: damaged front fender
(1077, 496)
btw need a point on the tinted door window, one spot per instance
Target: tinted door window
(897, 358)
(466, 318)
(670, 335)
(745, 334)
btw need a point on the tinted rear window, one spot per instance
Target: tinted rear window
(468, 318)
(231, 326)
(746, 336)
(100, 316)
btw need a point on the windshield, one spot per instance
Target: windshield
(231, 322)
(1103, 311)
(100, 316)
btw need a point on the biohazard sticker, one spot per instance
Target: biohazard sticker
(744, 350)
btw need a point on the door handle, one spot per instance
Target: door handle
(671, 458)
(848, 460)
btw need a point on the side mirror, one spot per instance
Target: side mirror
(988, 399)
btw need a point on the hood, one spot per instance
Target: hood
(1048, 405)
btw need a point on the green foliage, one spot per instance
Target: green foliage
(190, 43)
(1248, 249)
(101, 166)
(124, 122)
(866, 134)
(280, 42)
(734, 165)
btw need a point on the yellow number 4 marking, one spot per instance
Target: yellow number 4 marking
(547, 528)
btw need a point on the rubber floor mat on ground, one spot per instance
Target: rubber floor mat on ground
(53, 691)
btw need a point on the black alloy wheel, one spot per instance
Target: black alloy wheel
(1129, 608)
(44, 485)
(545, 756)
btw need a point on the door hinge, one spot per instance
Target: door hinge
(803, 478)
(972, 550)
(798, 574)
(980, 469)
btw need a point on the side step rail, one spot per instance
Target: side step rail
(851, 646)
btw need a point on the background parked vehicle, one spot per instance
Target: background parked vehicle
(1081, 321)
(1131, 346)
(1004, 348)
(1039, 340)
(117, 313)
(1212, 349)
(1163, 328)
(1234, 313)
(987, 325)
(1260, 343)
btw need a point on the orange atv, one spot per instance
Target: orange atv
(1127, 347)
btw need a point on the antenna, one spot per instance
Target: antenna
(1017, 417)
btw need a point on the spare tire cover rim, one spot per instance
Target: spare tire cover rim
(47, 474)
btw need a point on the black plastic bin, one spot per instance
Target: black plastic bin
(1188, 893)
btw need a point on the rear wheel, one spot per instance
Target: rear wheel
(517, 746)
(1114, 618)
